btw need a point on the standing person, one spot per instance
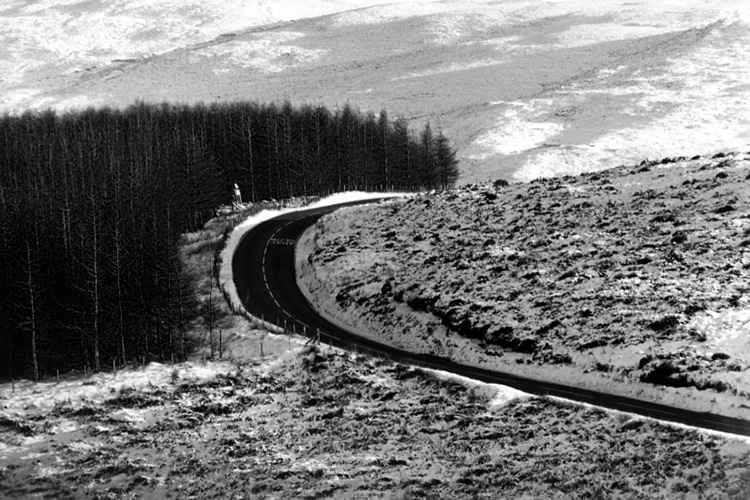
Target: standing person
(236, 197)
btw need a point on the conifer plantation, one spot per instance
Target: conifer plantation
(92, 205)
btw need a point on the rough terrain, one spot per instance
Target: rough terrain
(632, 280)
(322, 424)
(276, 419)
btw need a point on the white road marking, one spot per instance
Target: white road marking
(279, 241)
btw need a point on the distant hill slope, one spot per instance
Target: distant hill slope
(523, 89)
(634, 279)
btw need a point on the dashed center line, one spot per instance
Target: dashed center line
(273, 240)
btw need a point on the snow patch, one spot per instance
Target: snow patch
(635, 416)
(699, 104)
(46, 471)
(13, 99)
(589, 34)
(72, 104)
(452, 68)
(499, 395)
(29, 395)
(271, 53)
(516, 131)
(726, 331)
(129, 415)
(82, 446)
(375, 12)
(65, 425)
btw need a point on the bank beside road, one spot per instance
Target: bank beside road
(264, 272)
(631, 281)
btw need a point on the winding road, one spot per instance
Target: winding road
(264, 275)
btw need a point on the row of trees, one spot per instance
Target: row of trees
(92, 205)
(282, 151)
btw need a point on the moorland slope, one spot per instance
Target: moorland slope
(523, 89)
(325, 424)
(632, 280)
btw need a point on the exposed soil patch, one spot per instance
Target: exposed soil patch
(634, 279)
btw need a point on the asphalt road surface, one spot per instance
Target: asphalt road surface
(264, 274)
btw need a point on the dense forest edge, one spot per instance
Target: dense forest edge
(93, 203)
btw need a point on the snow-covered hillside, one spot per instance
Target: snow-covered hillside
(633, 279)
(524, 89)
(73, 36)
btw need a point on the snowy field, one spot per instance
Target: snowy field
(524, 89)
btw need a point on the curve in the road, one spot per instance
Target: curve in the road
(264, 274)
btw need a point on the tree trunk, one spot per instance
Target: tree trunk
(96, 298)
(250, 160)
(31, 288)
